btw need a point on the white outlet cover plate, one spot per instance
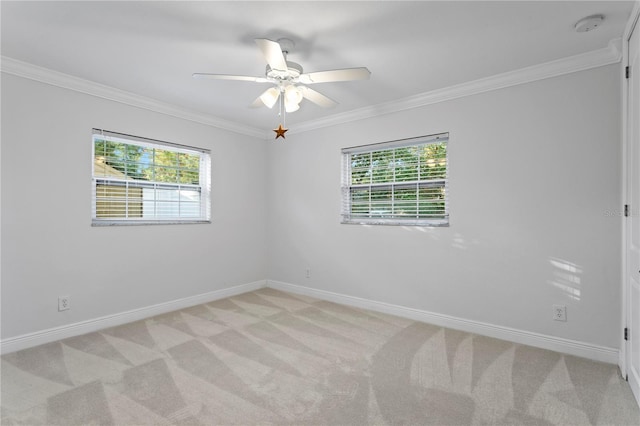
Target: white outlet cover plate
(63, 303)
(559, 312)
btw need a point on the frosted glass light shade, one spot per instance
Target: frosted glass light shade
(270, 97)
(292, 94)
(290, 106)
(292, 98)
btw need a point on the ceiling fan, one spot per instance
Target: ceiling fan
(288, 78)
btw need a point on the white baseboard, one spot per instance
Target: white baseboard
(558, 344)
(572, 347)
(24, 341)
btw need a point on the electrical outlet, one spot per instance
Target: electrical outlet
(559, 312)
(63, 303)
(308, 273)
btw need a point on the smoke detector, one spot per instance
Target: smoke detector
(589, 23)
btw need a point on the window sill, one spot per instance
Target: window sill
(100, 223)
(395, 222)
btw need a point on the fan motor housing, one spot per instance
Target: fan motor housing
(293, 71)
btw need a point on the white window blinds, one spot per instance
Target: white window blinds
(402, 182)
(142, 181)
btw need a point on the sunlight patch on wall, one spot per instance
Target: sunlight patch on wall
(463, 244)
(566, 277)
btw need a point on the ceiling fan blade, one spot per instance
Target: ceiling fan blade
(268, 98)
(348, 74)
(272, 53)
(230, 77)
(317, 97)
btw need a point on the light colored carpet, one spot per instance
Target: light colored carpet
(269, 357)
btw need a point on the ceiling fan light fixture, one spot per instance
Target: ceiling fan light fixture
(292, 94)
(290, 106)
(270, 97)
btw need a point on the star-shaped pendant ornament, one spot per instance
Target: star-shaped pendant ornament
(280, 131)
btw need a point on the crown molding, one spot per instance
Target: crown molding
(593, 59)
(55, 78)
(633, 19)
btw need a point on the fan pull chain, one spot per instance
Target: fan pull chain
(282, 113)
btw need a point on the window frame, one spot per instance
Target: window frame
(203, 187)
(347, 187)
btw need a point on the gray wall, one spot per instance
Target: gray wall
(534, 171)
(534, 168)
(48, 245)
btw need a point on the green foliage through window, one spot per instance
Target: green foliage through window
(147, 182)
(150, 164)
(400, 183)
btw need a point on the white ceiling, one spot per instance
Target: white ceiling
(152, 48)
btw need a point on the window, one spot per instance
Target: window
(144, 181)
(397, 183)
